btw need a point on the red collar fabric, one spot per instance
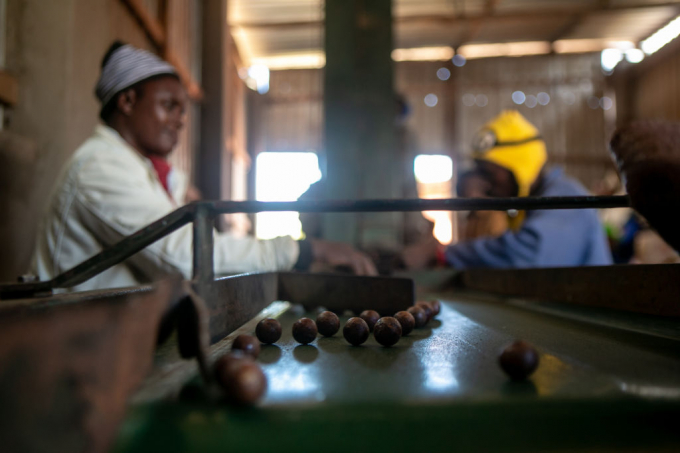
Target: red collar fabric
(163, 169)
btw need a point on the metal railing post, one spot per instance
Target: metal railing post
(203, 225)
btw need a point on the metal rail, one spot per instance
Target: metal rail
(447, 204)
(202, 215)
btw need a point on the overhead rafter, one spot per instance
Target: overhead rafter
(575, 21)
(568, 28)
(156, 31)
(485, 15)
(475, 25)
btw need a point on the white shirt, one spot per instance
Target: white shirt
(108, 191)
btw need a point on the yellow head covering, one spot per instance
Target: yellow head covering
(512, 142)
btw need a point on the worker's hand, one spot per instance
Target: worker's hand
(193, 194)
(648, 156)
(421, 255)
(339, 254)
(481, 224)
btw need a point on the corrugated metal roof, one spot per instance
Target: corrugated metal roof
(277, 27)
(542, 5)
(279, 41)
(401, 8)
(409, 35)
(632, 25)
(273, 11)
(520, 29)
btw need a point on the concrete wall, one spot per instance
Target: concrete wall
(54, 48)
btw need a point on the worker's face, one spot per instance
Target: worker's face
(473, 185)
(157, 115)
(501, 180)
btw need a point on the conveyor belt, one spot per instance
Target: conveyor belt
(441, 389)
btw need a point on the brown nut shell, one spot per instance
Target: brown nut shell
(356, 331)
(268, 330)
(371, 317)
(304, 331)
(248, 344)
(427, 307)
(328, 323)
(419, 315)
(387, 331)
(242, 379)
(407, 321)
(519, 360)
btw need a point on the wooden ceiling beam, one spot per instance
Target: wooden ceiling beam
(575, 21)
(494, 15)
(568, 28)
(475, 25)
(156, 31)
(151, 26)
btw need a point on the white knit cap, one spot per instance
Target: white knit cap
(127, 66)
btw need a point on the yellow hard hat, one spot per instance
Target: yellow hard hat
(512, 142)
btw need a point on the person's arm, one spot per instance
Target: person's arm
(481, 224)
(511, 249)
(508, 250)
(548, 237)
(115, 202)
(192, 194)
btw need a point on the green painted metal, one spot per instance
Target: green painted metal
(440, 389)
(517, 426)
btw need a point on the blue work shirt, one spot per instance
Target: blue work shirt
(547, 238)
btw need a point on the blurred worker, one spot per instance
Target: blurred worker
(511, 156)
(119, 181)
(648, 157)
(621, 225)
(413, 226)
(480, 223)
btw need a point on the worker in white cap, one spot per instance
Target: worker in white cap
(510, 156)
(119, 181)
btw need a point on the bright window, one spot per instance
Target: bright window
(434, 174)
(433, 168)
(283, 177)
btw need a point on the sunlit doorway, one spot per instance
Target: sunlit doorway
(283, 176)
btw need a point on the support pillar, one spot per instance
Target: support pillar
(359, 112)
(214, 162)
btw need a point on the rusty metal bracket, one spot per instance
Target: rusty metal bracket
(68, 365)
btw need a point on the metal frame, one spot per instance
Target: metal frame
(202, 214)
(650, 289)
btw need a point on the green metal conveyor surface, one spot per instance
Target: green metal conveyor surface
(455, 357)
(596, 386)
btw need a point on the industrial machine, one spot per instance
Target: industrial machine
(130, 369)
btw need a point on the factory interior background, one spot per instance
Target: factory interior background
(278, 89)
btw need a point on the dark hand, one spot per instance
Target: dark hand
(339, 254)
(648, 156)
(421, 255)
